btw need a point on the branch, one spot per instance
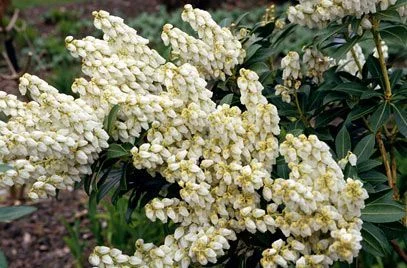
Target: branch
(378, 41)
(386, 163)
(399, 250)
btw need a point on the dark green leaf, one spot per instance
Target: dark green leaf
(323, 119)
(240, 18)
(111, 119)
(395, 77)
(117, 151)
(342, 50)
(385, 211)
(358, 113)
(365, 148)
(368, 165)
(8, 214)
(112, 181)
(351, 88)
(342, 143)
(373, 177)
(373, 66)
(380, 116)
(370, 94)
(395, 34)
(227, 99)
(400, 116)
(374, 240)
(251, 50)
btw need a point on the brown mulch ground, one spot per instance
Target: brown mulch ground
(36, 241)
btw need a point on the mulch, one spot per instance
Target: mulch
(37, 240)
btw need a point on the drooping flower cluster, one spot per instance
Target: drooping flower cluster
(214, 54)
(291, 76)
(313, 62)
(49, 142)
(318, 13)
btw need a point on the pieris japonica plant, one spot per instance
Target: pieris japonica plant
(249, 163)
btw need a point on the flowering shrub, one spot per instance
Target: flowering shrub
(251, 164)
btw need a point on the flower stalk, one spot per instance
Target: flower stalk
(378, 42)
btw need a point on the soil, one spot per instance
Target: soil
(36, 241)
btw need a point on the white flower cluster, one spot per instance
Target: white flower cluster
(49, 142)
(292, 76)
(214, 54)
(316, 64)
(313, 61)
(221, 157)
(353, 61)
(318, 13)
(350, 158)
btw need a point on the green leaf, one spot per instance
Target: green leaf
(251, 50)
(373, 177)
(358, 113)
(4, 167)
(117, 150)
(374, 240)
(368, 165)
(373, 66)
(227, 99)
(380, 116)
(342, 143)
(400, 116)
(3, 260)
(396, 34)
(351, 88)
(111, 119)
(112, 180)
(323, 119)
(395, 77)
(383, 211)
(342, 50)
(365, 148)
(8, 214)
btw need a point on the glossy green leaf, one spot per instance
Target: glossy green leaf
(342, 50)
(373, 66)
(8, 214)
(342, 143)
(380, 116)
(383, 211)
(227, 99)
(373, 177)
(365, 148)
(395, 34)
(351, 88)
(400, 116)
(368, 165)
(113, 179)
(117, 151)
(374, 240)
(111, 119)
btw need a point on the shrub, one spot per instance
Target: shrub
(253, 164)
